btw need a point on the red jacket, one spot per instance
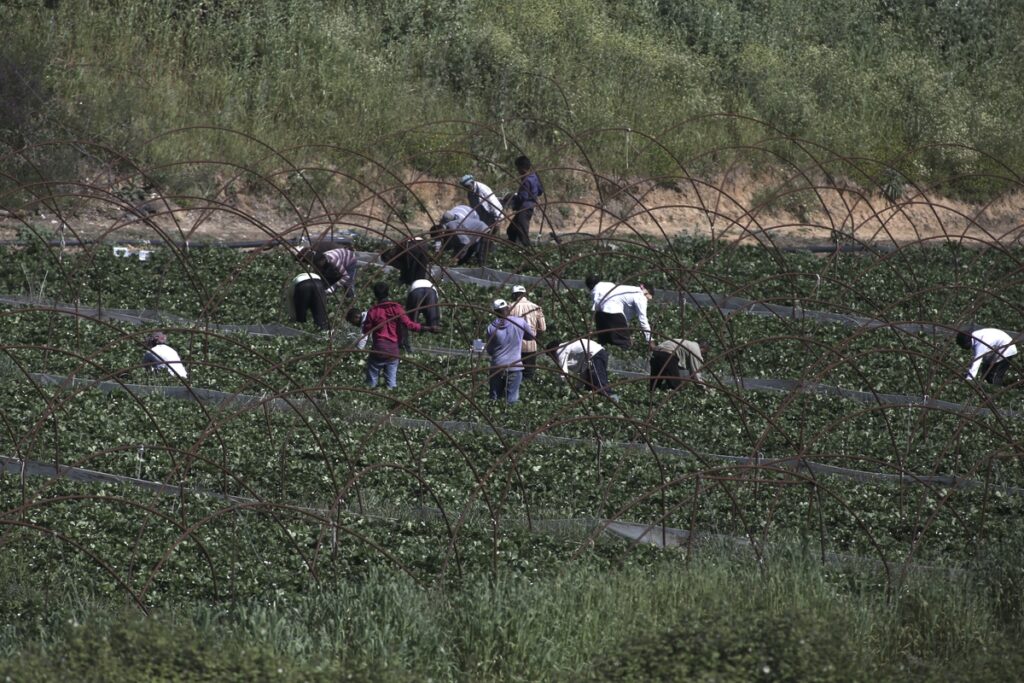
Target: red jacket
(382, 321)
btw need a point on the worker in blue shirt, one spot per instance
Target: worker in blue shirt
(524, 201)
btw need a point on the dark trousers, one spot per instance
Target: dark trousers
(529, 364)
(476, 252)
(595, 373)
(665, 371)
(519, 227)
(309, 296)
(993, 368)
(421, 303)
(612, 329)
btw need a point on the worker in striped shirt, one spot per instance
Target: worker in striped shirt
(338, 267)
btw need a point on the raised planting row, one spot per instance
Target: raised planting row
(944, 284)
(327, 457)
(866, 359)
(320, 502)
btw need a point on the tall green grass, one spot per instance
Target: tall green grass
(929, 88)
(719, 617)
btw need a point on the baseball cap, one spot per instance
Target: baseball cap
(466, 180)
(499, 304)
(518, 289)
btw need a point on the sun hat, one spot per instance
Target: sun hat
(499, 304)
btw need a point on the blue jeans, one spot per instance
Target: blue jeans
(374, 368)
(505, 384)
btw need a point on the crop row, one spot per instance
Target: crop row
(946, 284)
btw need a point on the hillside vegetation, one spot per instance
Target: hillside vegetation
(927, 90)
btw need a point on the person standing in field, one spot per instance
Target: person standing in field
(504, 345)
(524, 201)
(382, 323)
(991, 350)
(160, 356)
(675, 361)
(534, 315)
(614, 306)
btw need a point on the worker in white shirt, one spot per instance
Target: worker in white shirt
(482, 200)
(160, 356)
(991, 350)
(420, 302)
(584, 358)
(614, 306)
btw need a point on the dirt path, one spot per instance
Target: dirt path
(734, 207)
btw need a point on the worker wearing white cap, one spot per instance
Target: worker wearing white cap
(534, 315)
(505, 337)
(482, 200)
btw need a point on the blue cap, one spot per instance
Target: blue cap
(466, 180)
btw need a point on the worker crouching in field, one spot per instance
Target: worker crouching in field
(586, 359)
(534, 315)
(421, 304)
(382, 323)
(675, 361)
(614, 306)
(461, 231)
(323, 274)
(991, 350)
(504, 345)
(338, 268)
(160, 356)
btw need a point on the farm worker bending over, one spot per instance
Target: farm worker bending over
(505, 337)
(614, 306)
(991, 351)
(482, 200)
(461, 231)
(338, 267)
(411, 257)
(524, 201)
(585, 358)
(160, 356)
(382, 323)
(421, 302)
(671, 358)
(307, 292)
(534, 315)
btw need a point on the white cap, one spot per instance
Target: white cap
(499, 304)
(518, 289)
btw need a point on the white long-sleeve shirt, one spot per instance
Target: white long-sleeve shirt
(572, 354)
(989, 339)
(163, 357)
(491, 203)
(625, 299)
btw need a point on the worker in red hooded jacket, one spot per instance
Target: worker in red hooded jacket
(382, 324)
